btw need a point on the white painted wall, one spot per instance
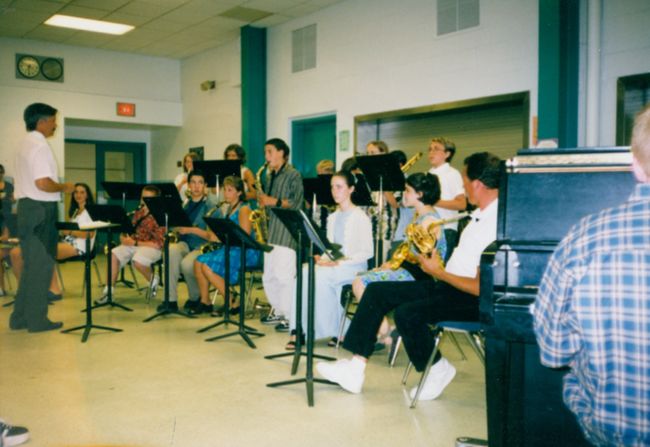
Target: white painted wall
(94, 81)
(212, 118)
(381, 55)
(625, 51)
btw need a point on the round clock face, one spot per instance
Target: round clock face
(28, 66)
(52, 69)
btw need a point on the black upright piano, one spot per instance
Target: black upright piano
(542, 194)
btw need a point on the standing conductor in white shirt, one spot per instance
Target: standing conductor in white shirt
(38, 193)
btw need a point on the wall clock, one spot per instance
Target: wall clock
(52, 69)
(28, 66)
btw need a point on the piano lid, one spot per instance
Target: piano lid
(543, 193)
(594, 159)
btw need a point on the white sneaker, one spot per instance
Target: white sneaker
(154, 285)
(440, 375)
(346, 373)
(104, 298)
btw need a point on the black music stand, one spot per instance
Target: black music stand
(303, 231)
(215, 171)
(232, 234)
(168, 212)
(88, 277)
(318, 192)
(383, 173)
(113, 214)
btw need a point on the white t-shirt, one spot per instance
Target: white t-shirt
(477, 235)
(177, 181)
(451, 186)
(34, 160)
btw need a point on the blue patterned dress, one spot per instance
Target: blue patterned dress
(216, 260)
(402, 274)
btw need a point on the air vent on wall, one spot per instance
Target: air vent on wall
(303, 42)
(456, 15)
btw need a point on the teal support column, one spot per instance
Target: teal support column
(557, 104)
(253, 93)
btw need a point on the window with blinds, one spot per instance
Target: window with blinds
(497, 124)
(633, 93)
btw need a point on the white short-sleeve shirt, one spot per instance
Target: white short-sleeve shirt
(451, 186)
(477, 235)
(35, 160)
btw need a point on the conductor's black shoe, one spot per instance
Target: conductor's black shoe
(46, 326)
(52, 297)
(172, 305)
(16, 324)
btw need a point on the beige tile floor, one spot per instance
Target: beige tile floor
(160, 384)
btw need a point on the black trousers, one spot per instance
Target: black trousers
(38, 241)
(416, 305)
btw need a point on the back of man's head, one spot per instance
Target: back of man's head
(641, 139)
(35, 112)
(485, 167)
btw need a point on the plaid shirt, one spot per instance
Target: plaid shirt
(592, 313)
(147, 229)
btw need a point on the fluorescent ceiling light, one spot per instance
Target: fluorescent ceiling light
(96, 26)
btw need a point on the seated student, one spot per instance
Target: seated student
(183, 253)
(210, 268)
(144, 246)
(236, 152)
(74, 241)
(422, 192)
(349, 227)
(417, 304)
(181, 179)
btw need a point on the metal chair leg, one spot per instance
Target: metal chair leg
(452, 335)
(348, 303)
(59, 275)
(100, 283)
(395, 351)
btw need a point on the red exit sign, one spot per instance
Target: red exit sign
(125, 109)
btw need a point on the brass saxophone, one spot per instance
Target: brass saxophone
(424, 240)
(410, 162)
(259, 218)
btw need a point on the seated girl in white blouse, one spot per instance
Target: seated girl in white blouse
(351, 228)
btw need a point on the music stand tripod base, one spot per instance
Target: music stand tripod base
(88, 326)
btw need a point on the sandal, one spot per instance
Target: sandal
(333, 341)
(291, 344)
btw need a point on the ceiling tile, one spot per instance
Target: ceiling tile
(144, 9)
(273, 20)
(90, 39)
(273, 6)
(82, 11)
(43, 6)
(105, 5)
(127, 19)
(51, 33)
(163, 25)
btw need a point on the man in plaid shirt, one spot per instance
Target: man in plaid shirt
(592, 312)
